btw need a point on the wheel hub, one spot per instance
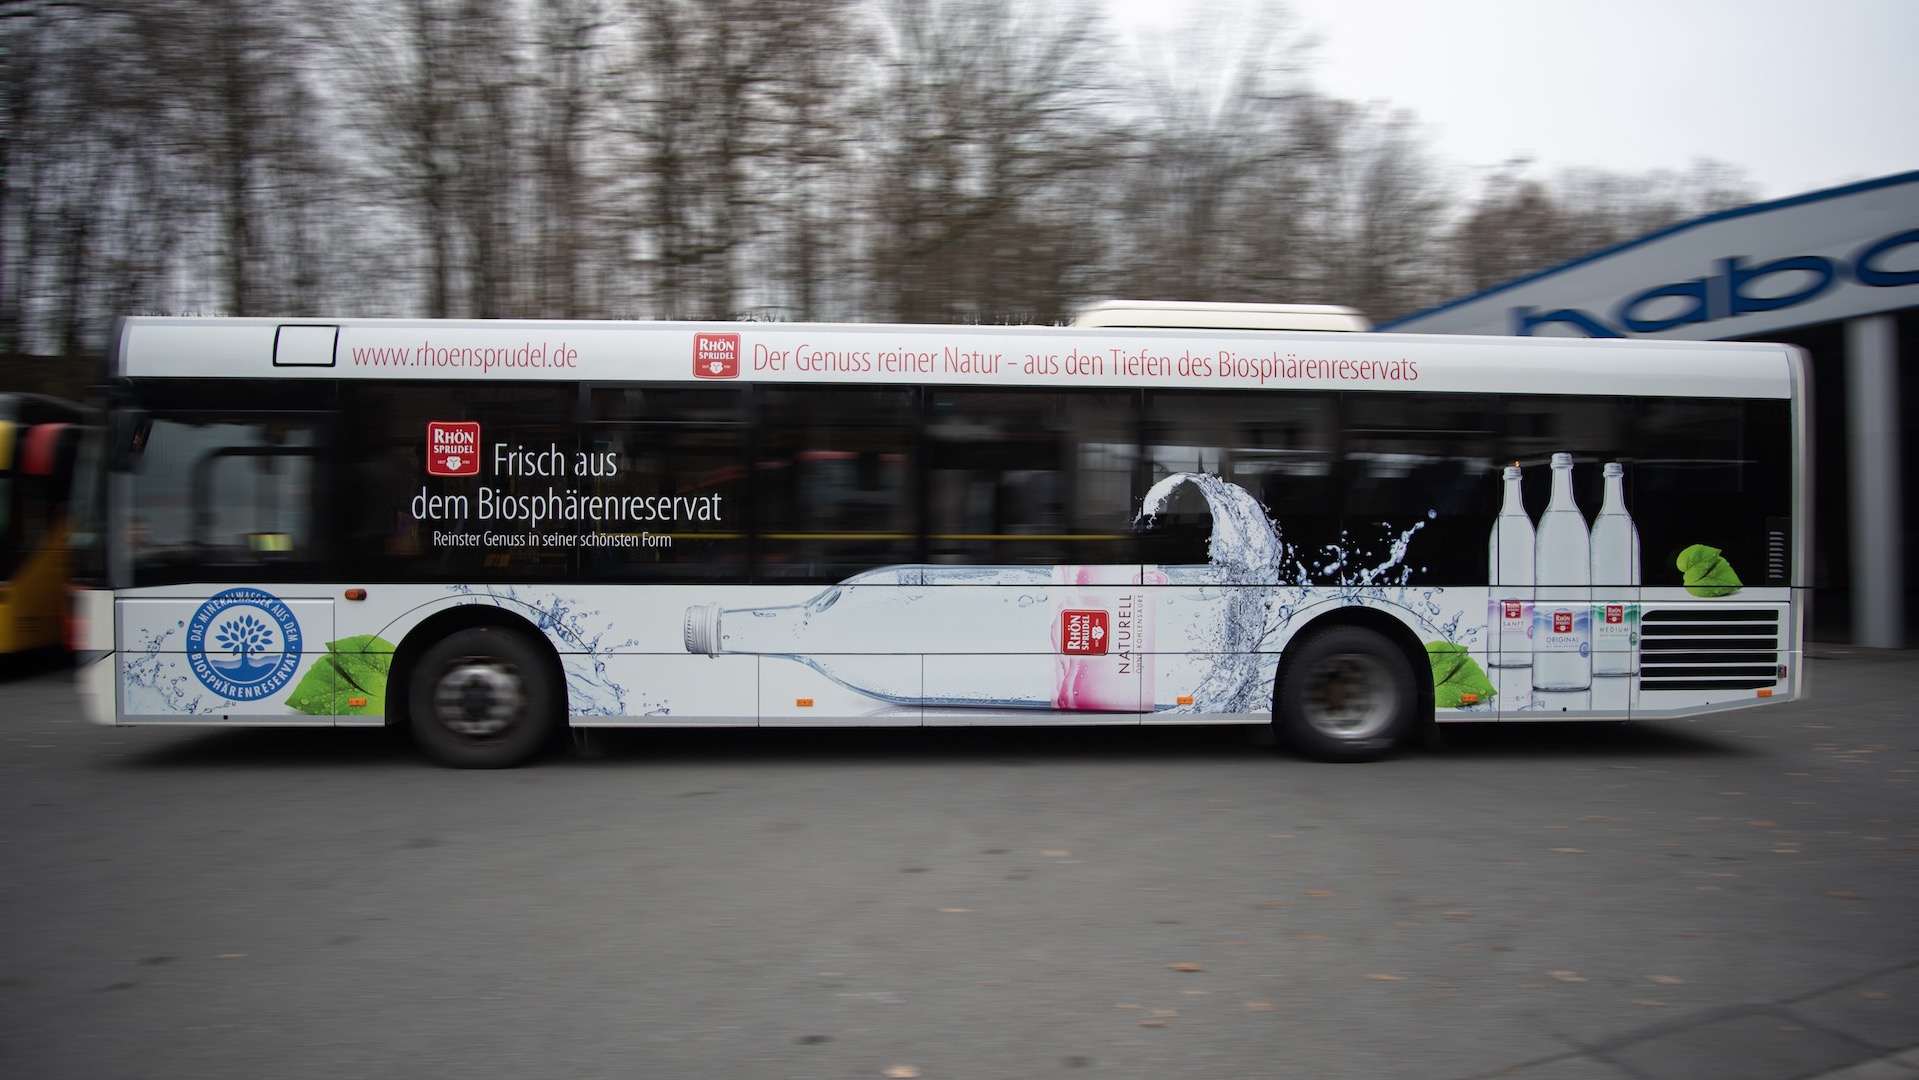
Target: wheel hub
(1347, 697)
(478, 698)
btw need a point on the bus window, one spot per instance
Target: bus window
(1282, 449)
(681, 455)
(834, 481)
(1032, 477)
(404, 522)
(226, 492)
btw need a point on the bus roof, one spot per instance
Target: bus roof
(979, 356)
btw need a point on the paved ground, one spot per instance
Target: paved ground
(1732, 898)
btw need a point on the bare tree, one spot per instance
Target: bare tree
(1520, 223)
(1377, 212)
(1208, 197)
(983, 114)
(900, 159)
(90, 210)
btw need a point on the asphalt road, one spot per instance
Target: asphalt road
(1729, 898)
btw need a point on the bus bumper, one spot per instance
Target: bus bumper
(90, 636)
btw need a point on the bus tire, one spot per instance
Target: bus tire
(482, 698)
(1345, 693)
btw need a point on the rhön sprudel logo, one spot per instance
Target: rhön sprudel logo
(453, 448)
(716, 356)
(243, 644)
(1082, 633)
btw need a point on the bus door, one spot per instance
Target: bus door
(228, 615)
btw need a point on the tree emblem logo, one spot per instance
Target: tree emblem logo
(243, 644)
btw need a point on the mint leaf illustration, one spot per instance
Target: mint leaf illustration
(364, 661)
(1458, 680)
(1706, 573)
(314, 695)
(353, 670)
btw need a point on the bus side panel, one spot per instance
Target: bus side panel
(661, 690)
(240, 655)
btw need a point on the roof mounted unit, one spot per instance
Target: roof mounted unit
(1191, 315)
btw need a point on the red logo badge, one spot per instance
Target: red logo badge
(1615, 614)
(1513, 609)
(1562, 622)
(1082, 633)
(716, 356)
(453, 448)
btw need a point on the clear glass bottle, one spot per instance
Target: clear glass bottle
(1562, 565)
(1615, 581)
(1072, 638)
(1510, 553)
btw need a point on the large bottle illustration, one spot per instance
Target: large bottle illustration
(1015, 637)
(1562, 564)
(1615, 581)
(1197, 639)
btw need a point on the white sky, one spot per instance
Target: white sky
(1800, 94)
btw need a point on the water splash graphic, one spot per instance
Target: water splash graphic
(586, 643)
(156, 683)
(1267, 585)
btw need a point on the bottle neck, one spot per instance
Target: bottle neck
(1615, 498)
(1562, 491)
(1514, 504)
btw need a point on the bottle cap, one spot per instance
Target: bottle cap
(1613, 468)
(1562, 461)
(703, 629)
(1512, 472)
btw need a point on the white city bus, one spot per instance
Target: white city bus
(488, 531)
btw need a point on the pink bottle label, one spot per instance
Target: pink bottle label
(1104, 638)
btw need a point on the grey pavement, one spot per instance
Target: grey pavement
(1730, 899)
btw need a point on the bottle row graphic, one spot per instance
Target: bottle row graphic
(1564, 601)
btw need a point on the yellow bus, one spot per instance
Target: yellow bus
(38, 440)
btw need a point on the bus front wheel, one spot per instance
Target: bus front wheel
(482, 698)
(1345, 693)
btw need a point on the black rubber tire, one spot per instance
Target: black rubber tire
(482, 698)
(1345, 693)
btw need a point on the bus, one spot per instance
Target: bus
(488, 532)
(39, 437)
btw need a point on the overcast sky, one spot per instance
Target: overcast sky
(1800, 94)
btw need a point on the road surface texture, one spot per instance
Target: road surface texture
(1732, 898)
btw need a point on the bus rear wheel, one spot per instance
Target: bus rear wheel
(1345, 693)
(482, 698)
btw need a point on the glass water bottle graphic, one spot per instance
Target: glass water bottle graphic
(997, 637)
(1510, 571)
(1562, 564)
(1615, 581)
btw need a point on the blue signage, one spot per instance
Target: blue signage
(1735, 290)
(243, 644)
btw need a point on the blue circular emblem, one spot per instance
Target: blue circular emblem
(243, 644)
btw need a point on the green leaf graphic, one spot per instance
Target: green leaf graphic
(1457, 676)
(364, 660)
(354, 669)
(314, 695)
(1706, 574)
